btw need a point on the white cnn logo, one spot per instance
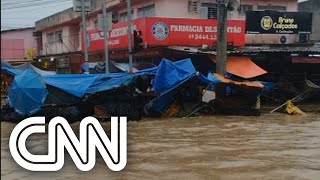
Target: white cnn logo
(61, 137)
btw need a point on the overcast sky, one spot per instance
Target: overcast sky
(24, 13)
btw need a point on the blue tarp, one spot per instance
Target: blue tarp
(169, 76)
(81, 84)
(9, 69)
(37, 70)
(210, 78)
(14, 70)
(27, 92)
(268, 86)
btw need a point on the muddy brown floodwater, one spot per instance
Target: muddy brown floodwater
(273, 146)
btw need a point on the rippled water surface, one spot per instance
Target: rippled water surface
(273, 146)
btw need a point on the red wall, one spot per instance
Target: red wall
(175, 31)
(12, 49)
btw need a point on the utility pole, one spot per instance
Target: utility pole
(106, 36)
(222, 38)
(130, 35)
(84, 31)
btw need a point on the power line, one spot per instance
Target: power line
(34, 5)
(26, 2)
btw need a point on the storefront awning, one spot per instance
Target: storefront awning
(308, 60)
(254, 84)
(242, 66)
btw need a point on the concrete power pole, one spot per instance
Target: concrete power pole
(84, 31)
(130, 36)
(106, 43)
(222, 38)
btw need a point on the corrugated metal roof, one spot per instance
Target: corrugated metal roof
(252, 50)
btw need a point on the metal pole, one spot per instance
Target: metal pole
(106, 43)
(84, 31)
(130, 36)
(222, 38)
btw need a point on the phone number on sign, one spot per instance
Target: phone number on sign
(202, 37)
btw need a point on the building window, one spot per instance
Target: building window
(124, 16)
(94, 4)
(272, 8)
(54, 37)
(212, 9)
(192, 6)
(58, 36)
(244, 8)
(146, 11)
(50, 37)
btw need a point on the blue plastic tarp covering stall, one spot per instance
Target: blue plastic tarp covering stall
(9, 69)
(169, 76)
(37, 70)
(81, 84)
(27, 93)
(14, 70)
(109, 81)
(210, 78)
(75, 84)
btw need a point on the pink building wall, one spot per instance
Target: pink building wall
(14, 43)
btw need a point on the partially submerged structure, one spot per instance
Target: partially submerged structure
(148, 92)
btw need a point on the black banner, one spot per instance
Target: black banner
(272, 22)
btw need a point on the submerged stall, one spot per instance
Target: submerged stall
(147, 92)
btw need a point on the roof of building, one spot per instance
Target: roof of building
(17, 29)
(253, 49)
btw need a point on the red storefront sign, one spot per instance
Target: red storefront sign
(168, 32)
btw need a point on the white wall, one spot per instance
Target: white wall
(70, 40)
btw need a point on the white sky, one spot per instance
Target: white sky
(13, 17)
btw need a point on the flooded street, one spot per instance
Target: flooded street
(272, 146)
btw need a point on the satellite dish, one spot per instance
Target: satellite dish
(233, 5)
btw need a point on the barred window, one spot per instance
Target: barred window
(272, 8)
(212, 9)
(192, 6)
(146, 11)
(244, 8)
(58, 36)
(50, 37)
(124, 16)
(54, 37)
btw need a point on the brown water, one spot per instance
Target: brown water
(273, 146)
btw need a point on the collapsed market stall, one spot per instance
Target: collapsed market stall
(148, 92)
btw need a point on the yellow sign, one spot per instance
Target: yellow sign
(266, 23)
(282, 24)
(31, 53)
